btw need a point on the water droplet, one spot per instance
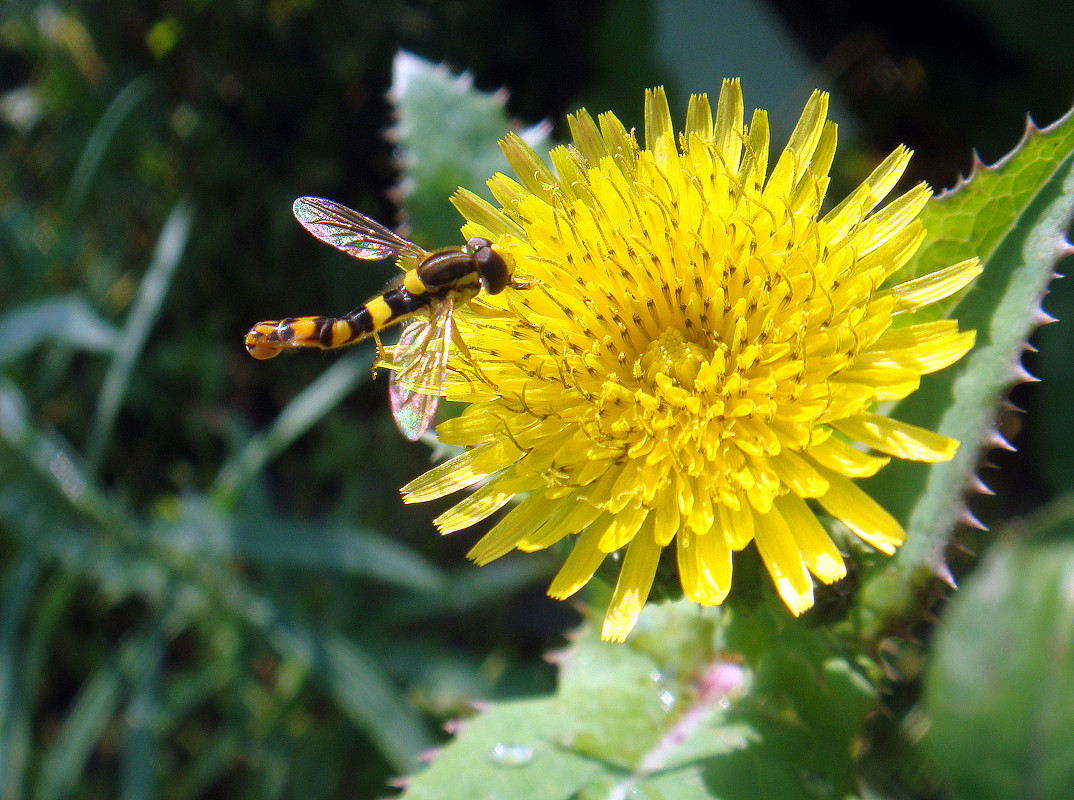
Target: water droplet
(511, 755)
(667, 699)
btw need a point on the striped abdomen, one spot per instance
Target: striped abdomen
(459, 273)
(266, 339)
(439, 275)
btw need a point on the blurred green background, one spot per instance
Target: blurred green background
(193, 607)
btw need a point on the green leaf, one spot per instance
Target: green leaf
(93, 153)
(93, 709)
(306, 409)
(666, 715)
(154, 286)
(69, 321)
(20, 582)
(196, 528)
(471, 588)
(1014, 216)
(360, 687)
(1003, 665)
(140, 734)
(49, 458)
(448, 134)
(206, 587)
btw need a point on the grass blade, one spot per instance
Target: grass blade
(361, 689)
(65, 320)
(139, 744)
(170, 245)
(14, 708)
(196, 529)
(97, 144)
(50, 458)
(301, 414)
(91, 712)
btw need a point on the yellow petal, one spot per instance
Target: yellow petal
(897, 217)
(521, 521)
(848, 213)
(586, 136)
(527, 165)
(863, 515)
(625, 525)
(729, 118)
(659, 129)
(632, 588)
(934, 286)
(934, 346)
(557, 523)
(887, 382)
(800, 147)
(713, 567)
(844, 458)
(698, 118)
(754, 166)
(737, 524)
(582, 561)
(798, 474)
(459, 472)
(900, 439)
(486, 501)
(481, 211)
(784, 561)
(666, 517)
(821, 555)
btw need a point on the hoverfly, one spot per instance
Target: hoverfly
(433, 282)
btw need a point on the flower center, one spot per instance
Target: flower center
(673, 356)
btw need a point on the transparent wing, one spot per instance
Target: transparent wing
(351, 232)
(421, 359)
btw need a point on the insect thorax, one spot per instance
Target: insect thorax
(450, 272)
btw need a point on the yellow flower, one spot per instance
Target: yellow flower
(697, 357)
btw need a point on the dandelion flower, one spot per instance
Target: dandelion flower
(697, 358)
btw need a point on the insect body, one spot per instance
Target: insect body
(434, 283)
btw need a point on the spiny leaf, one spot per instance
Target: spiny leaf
(1014, 217)
(665, 715)
(448, 134)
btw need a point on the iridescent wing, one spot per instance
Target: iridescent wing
(421, 359)
(351, 232)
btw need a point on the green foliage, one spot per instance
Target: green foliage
(792, 728)
(448, 133)
(1014, 217)
(184, 613)
(668, 715)
(167, 629)
(70, 322)
(1004, 663)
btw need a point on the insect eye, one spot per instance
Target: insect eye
(494, 272)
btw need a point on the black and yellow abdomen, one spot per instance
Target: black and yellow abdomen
(454, 272)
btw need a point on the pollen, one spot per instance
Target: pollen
(696, 357)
